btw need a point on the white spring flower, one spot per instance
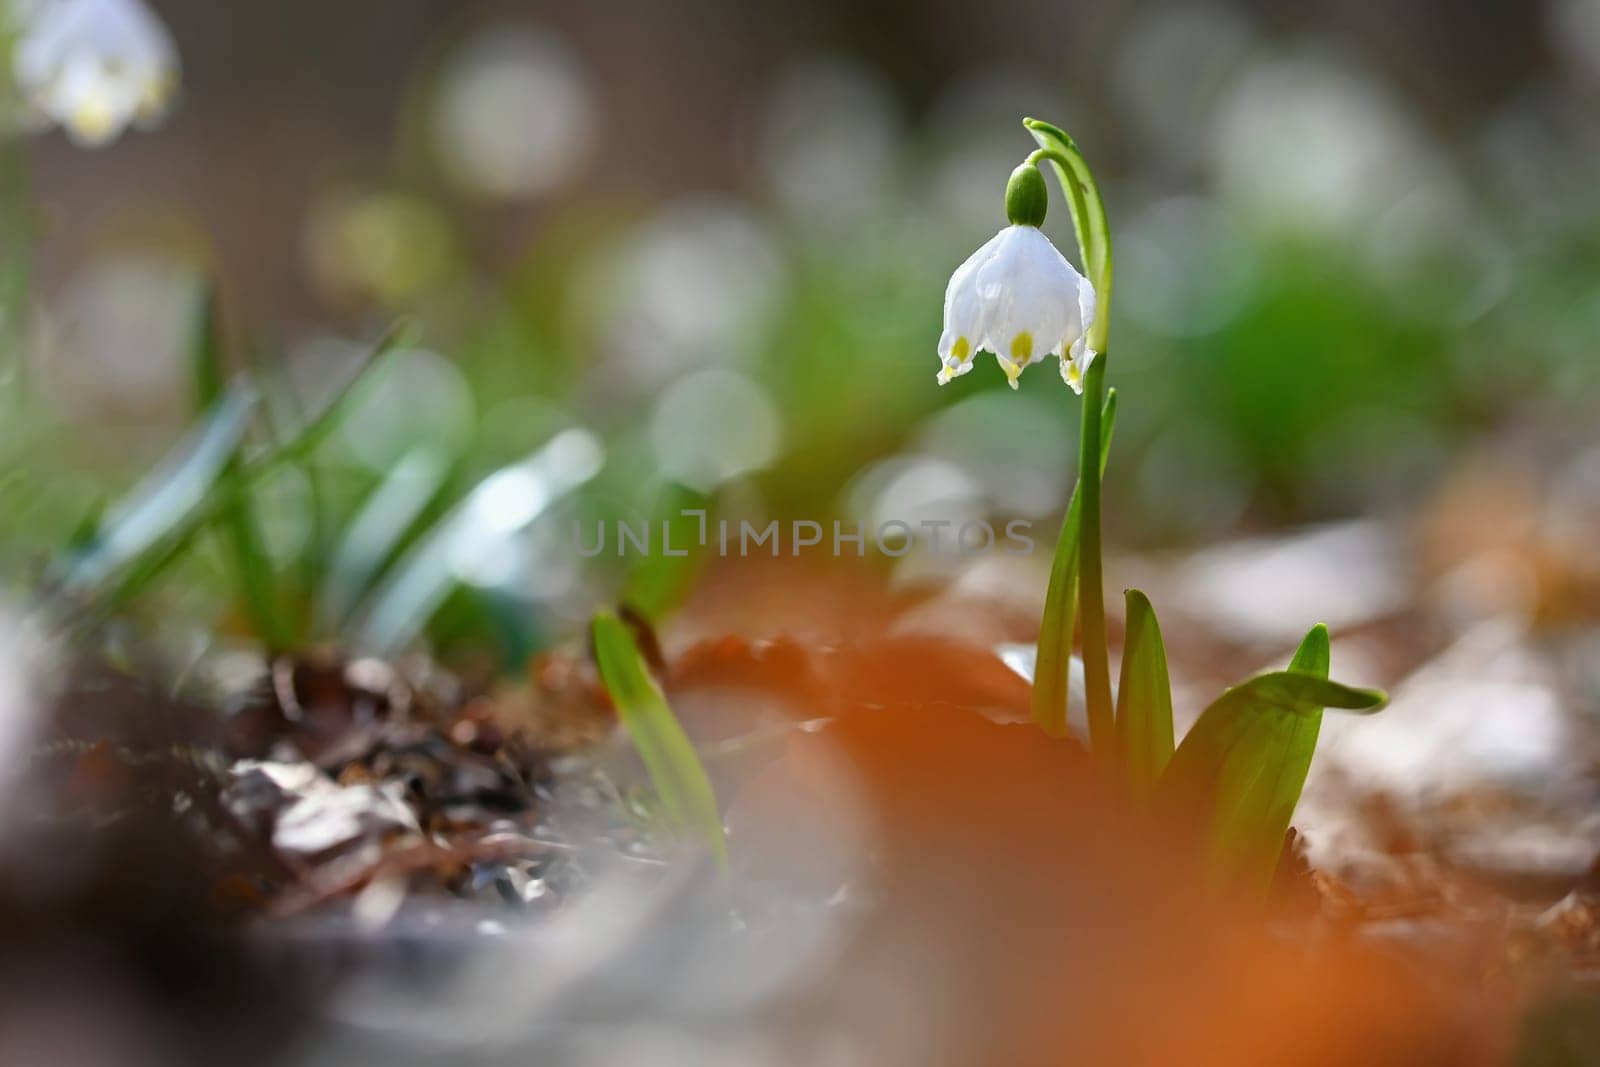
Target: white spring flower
(1020, 299)
(95, 66)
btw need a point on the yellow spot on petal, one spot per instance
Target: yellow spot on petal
(92, 121)
(961, 351)
(1022, 347)
(1013, 372)
(1072, 375)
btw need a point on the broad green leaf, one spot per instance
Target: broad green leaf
(252, 567)
(1144, 700)
(1238, 773)
(1272, 799)
(1058, 625)
(1315, 653)
(669, 757)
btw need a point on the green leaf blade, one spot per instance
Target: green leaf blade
(488, 520)
(1058, 625)
(1237, 777)
(380, 527)
(165, 500)
(252, 567)
(150, 529)
(1315, 654)
(1144, 700)
(669, 757)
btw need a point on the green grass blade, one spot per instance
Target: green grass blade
(1144, 700)
(252, 567)
(207, 366)
(167, 498)
(669, 757)
(1238, 774)
(308, 437)
(136, 569)
(374, 535)
(489, 521)
(661, 580)
(87, 530)
(1059, 624)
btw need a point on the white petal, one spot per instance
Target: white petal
(1031, 295)
(961, 303)
(1049, 299)
(1072, 374)
(963, 325)
(1019, 298)
(995, 284)
(1088, 304)
(952, 369)
(94, 66)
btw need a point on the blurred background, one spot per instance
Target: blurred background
(634, 257)
(1356, 246)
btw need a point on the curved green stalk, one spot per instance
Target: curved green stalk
(1094, 244)
(1088, 217)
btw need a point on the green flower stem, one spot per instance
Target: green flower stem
(1091, 596)
(1088, 217)
(1059, 624)
(1094, 244)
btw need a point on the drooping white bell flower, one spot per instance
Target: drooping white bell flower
(94, 66)
(1020, 299)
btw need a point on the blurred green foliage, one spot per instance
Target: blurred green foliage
(1276, 365)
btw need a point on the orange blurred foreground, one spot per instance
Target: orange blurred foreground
(1013, 914)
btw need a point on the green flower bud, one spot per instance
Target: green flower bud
(1026, 196)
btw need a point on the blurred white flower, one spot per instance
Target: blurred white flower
(113, 344)
(714, 426)
(699, 283)
(1305, 141)
(1573, 29)
(514, 115)
(1020, 299)
(416, 397)
(914, 490)
(1020, 449)
(1172, 66)
(94, 66)
(830, 132)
